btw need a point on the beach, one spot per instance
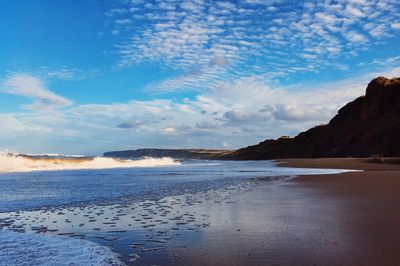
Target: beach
(307, 217)
(340, 219)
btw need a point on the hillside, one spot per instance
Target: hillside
(367, 126)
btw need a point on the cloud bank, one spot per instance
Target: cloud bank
(230, 116)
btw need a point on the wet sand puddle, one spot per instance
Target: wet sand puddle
(146, 232)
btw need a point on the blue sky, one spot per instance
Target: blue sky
(92, 76)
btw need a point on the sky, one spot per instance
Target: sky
(89, 76)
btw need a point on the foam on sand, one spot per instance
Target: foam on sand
(39, 249)
(14, 163)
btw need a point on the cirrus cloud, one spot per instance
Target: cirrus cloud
(34, 88)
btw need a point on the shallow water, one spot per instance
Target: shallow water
(147, 215)
(20, 191)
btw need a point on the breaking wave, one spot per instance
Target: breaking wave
(25, 163)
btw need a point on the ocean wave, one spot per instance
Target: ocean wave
(39, 249)
(22, 163)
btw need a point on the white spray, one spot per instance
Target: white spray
(14, 163)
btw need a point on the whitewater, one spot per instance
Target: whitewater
(28, 163)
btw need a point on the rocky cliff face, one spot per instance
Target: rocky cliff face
(368, 126)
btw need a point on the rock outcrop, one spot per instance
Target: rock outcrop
(367, 126)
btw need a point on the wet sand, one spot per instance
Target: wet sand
(341, 219)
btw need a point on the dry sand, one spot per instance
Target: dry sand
(343, 219)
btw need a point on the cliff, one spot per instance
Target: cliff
(367, 126)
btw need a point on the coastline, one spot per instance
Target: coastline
(349, 218)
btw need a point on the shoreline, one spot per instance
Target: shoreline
(346, 218)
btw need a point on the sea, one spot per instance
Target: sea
(79, 210)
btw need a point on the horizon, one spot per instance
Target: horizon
(121, 75)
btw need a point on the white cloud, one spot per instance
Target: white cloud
(355, 37)
(10, 123)
(169, 130)
(32, 87)
(354, 11)
(297, 112)
(194, 36)
(396, 25)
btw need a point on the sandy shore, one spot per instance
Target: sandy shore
(339, 219)
(343, 219)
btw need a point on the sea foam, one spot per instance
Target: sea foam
(38, 249)
(18, 163)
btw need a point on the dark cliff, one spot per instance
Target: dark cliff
(367, 126)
